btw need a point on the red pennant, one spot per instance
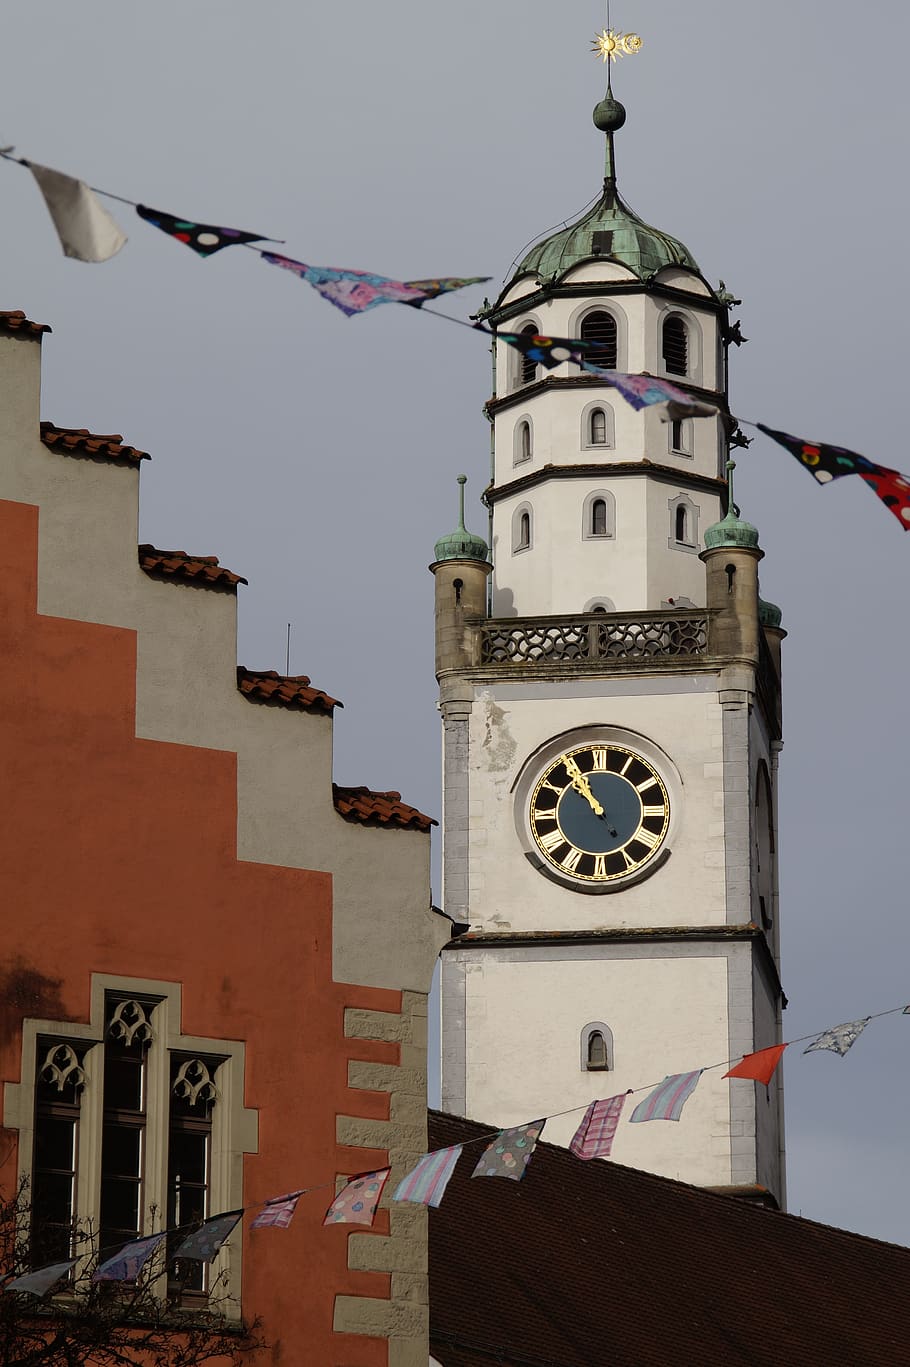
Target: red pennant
(760, 1066)
(893, 489)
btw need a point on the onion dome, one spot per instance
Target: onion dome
(769, 614)
(611, 229)
(461, 544)
(732, 531)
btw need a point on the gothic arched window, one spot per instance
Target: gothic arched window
(600, 328)
(676, 345)
(596, 1048)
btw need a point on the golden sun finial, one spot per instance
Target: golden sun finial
(611, 45)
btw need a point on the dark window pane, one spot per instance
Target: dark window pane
(119, 1204)
(121, 1151)
(55, 1143)
(188, 1156)
(123, 1081)
(52, 1198)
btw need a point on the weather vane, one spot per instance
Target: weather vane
(611, 45)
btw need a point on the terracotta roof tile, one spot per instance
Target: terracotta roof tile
(582, 1264)
(379, 809)
(79, 441)
(286, 690)
(195, 569)
(14, 320)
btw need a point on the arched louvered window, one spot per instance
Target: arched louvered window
(600, 328)
(527, 372)
(598, 427)
(676, 345)
(599, 517)
(524, 441)
(682, 523)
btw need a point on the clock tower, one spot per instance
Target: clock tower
(609, 684)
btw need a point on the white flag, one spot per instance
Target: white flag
(85, 228)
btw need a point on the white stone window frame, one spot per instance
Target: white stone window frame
(607, 409)
(694, 347)
(694, 513)
(587, 534)
(516, 357)
(517, 547)
(686, 436)
(597, 1028)
(622, 328)
(518, 457)
(601, 603)
(235, 1128)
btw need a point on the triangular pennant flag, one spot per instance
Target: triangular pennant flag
(823, 462)
(204, 238)
(205, 1244)
(759, 1066)
(510, 1152)
(40, 1282)
(839, 1038)
(594, 1136)
(356, 291)
(549, 351)
(644, 391)
(126, 1265)
(425, 1184)
(892, 488)
(85, 228)
(279, 1211)
(667, 1100)
(358, 1199)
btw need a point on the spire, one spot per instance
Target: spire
(461, 544)
(732, 530)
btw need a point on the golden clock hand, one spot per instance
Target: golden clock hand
(581, 785)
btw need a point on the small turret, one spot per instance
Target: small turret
(460, 569)
(731, 557)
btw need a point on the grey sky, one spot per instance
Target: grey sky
(316, 454)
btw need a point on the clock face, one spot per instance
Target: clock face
(599, 813)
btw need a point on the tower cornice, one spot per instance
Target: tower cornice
(586, 289)
(668, 474)
(549, 383)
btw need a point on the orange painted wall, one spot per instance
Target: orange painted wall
(118, 855)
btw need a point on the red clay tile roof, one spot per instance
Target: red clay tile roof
(599, 1265)
(79, 441)
(14, 320)
(379, 809)
(287, 690)
(195, 569)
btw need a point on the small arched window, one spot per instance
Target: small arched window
(527, 370)
(597, 430)
(676, 345)
(522, 528)
(682, 524)
(596, 1048)
(599, 517)
(524, 531)
(600, 328)
(524, 441)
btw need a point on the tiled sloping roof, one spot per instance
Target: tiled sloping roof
(14, 320)
(79, 441)
(287, 690)
(599, 1265)
(196, 569)
(379, 809)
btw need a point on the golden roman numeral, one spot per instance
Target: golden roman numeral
(653, 811)
(550, 841)
(600, 866)
(599, 757)
(630, 862)
(646, 837)
(627, 765)
(643, 787)
(570, 863)
(552, 786)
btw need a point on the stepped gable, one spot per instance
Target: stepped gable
(14, 320)
(203, 570)
(79, 441)
(587, 1263)
(286, 690)
(379, 809)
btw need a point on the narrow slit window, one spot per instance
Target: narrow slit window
(524, 441)
(597, 430)
(676, 435)
(524, 531)
(600, 328)
(682, 524)
(599, 517)
(676, 346)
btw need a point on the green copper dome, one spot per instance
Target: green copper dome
(732, 531)
(769, 614)
(610, 230)
(461, 544)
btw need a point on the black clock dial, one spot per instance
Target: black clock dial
(599, 813)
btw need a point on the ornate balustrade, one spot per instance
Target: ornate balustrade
(593, 639)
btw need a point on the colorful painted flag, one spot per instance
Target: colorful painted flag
(840, 1038)
(205, 1244)
(822, 461)
(892, 488)
(510, 1152)
(278, 1212)
(759, 1066)
(204, 238)
(549, 351)
(667, 1100)
(126, 1265)
(425, 1185)
(357, 291)
(40, 1282)
(85, 228)
(594, 1136)
(356, 1203)
(644, 391)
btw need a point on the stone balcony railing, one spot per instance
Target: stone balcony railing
(594, 639)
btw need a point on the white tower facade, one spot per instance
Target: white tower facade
(611, 715)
